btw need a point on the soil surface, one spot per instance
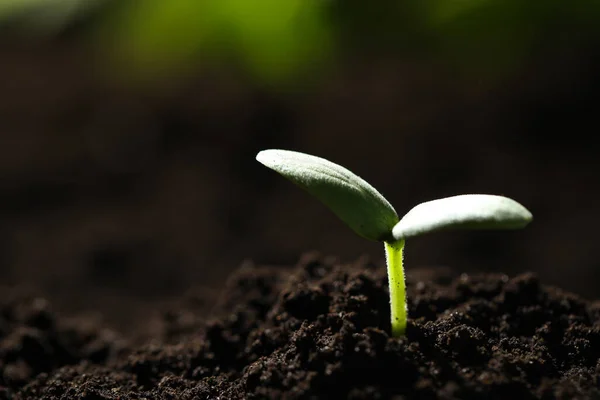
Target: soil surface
(319, 329)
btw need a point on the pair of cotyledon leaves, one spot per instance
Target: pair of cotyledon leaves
(370, 215)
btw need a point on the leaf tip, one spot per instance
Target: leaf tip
(527, 216)
(262, 157)
(271, 158)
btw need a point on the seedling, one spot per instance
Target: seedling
(370, 215)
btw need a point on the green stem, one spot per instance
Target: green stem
(395, 268)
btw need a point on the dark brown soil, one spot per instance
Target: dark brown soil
(317, 330)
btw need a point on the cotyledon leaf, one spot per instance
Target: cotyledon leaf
(350, 197)
(470, 211)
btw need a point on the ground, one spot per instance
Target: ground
(319, 329)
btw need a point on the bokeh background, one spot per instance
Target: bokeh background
(128, 132)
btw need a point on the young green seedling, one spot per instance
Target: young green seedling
(370, 215)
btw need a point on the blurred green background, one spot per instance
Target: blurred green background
(275, 41)
(128, 132)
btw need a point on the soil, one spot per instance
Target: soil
(318, 329)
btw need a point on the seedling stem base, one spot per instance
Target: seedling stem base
(394, 260)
